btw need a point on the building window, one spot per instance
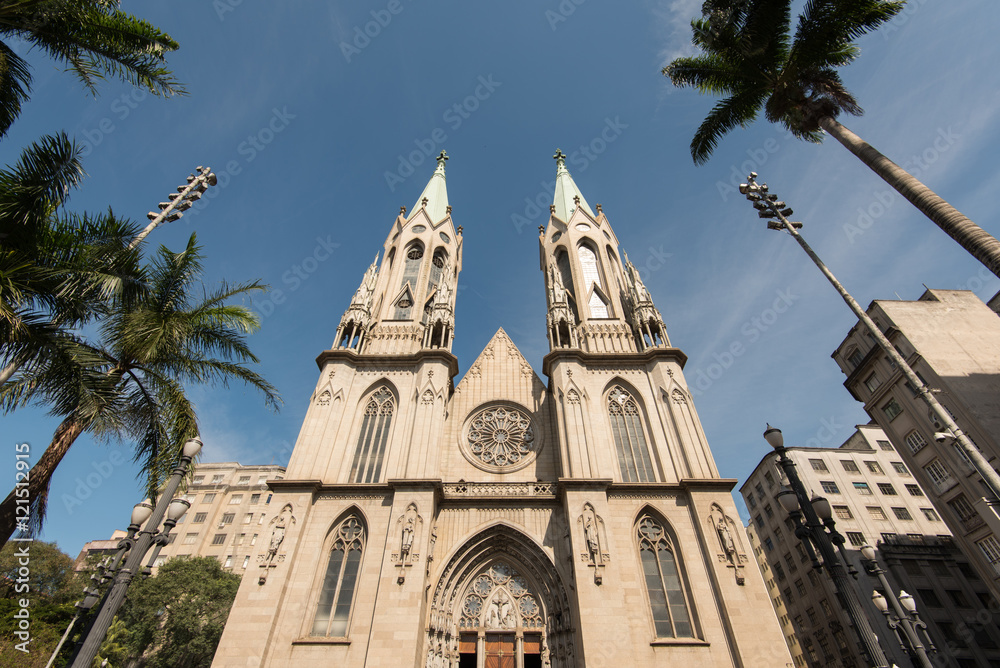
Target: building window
(862, 488)
(760, 491)
(235, 499)
(208, 498)
(229, 561)
(751, 502)
(885, 445)
(261, 479)
(333, 611)
(246, 561)
(939, 475)
(190, 538)
(900, 468)
(367, 465)
(829, 487)
(199, 518)
(843, 513)
(219, 539)
(630, 439)
(779, 571)
(958, 598)
(254, 499)
(991, 550)
(228, 518)
(901, 514)
(874, 468)
(244, 480)
(914, 490)
(760, 521)
(799, 585)
(872, 382)
(850, 466)
(768, 511)
(818, 465)
(248, 518)
(253, 540)
(663, 581)
(217, 478)
(854, 358)
(769, 478)
(768, 544)
(197, 480)
(876, 512)
(886, 489)
(891, 409)
(929, 598)
(890, 538)
(915, 441)
(238, 540)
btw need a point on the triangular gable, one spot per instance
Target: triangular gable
(502, 372)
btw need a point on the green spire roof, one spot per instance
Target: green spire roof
(566, 191)
(436, 193)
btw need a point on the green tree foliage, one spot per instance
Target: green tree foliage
(749, 56)
(175, 619)
(92, 38)
(51, 576)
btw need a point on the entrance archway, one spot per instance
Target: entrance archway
(500, 603)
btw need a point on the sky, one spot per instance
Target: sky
(321, 119)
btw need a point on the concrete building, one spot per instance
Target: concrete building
(952, 340)
(774, 591)
(503, 521)
(876, 501)
(230, 508)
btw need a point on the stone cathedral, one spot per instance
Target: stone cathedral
(505, 522)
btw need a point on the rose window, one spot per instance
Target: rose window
(500, 598)
(501, 436)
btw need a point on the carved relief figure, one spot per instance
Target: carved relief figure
(404, 548)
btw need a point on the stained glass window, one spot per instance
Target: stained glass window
(374, 435)
(334, 608)
(663, 581)
(630, 440)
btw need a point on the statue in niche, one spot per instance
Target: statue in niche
(590, 532)
(281, 523)
(727, 540)
(407, 526)
(404, 547)
(596, 541)
(500, 613)
(731, 547)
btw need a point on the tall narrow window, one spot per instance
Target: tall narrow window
(630, 440)
(592, 281)
(663, 581)
(411, 270)
(437, 270)
(374, 435)
(333, 611)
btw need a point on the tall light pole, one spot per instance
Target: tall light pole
(178, 202)
(904, 612)
(812, 531)
(768, 206)
(136, 545)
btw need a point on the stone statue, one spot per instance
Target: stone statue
(407, 541)
(727, 539)
(593, 543)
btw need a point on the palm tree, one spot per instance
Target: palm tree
(748, 55)
(57, 270)
(92, 37)
(130, 383)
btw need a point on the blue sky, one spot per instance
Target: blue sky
(316, 131)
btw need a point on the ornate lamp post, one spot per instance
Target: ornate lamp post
(134, 548)
(904, 613)
(820, 533)
(768, 206)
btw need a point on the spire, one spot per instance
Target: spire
(567, 196)
(435, 194)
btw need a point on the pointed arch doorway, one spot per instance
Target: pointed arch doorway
(500, 604)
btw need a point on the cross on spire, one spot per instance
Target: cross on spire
(442, 157)
(560, 157)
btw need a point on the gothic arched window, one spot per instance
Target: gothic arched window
(374, 435)
(411, 271)
(437, 269)
(664, 582)
(333, 611)
(592, 281)
(630, 440)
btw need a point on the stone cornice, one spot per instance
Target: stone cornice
(377, 361)
(613, 359)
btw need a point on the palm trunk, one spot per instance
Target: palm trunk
(983, 246)
(39, 477)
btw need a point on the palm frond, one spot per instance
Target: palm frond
(737, 110)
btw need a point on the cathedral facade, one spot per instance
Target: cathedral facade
(504, 522)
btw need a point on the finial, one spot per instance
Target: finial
(424, 201)
(560, 158)
(402, 210)
(552, 208)
(576, 200)
(541, 229)
(459, 229)
(448, 209)
(599, 208)
(442, 157)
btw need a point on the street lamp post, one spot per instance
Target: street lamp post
(813, 531)
(768, 206)
(178, 202)
(133, 549)
(904, 613)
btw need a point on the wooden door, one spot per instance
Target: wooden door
(500, 650)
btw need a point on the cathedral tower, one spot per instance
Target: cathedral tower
(505, 521)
